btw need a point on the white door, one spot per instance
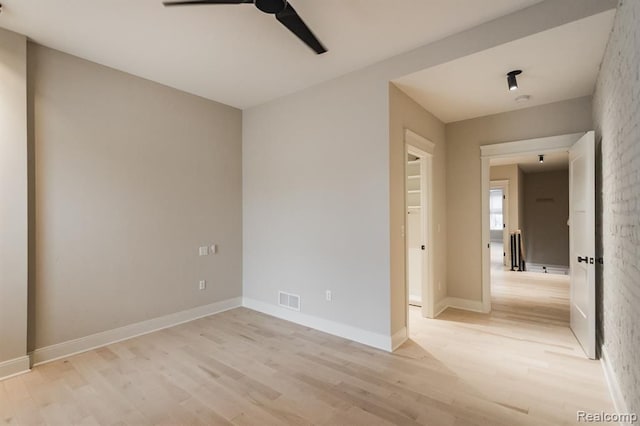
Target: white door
(582, 242)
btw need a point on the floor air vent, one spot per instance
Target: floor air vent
(289, 301)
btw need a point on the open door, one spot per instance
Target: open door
(419, 245)
(582, 242)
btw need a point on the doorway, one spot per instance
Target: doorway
(573, 295)
(415, 230)
(499, 222)
(418, 225)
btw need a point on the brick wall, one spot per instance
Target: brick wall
(616, 109)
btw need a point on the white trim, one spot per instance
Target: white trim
(536, 146)
(97, 340)
(14, 367)
(459, 303)
(612, 383)
(420, 142)
(506, 220)
(398, 338)
(551, 269)
(424, 149)
(441, 306)
(369, 338)
(485, 177)
(465, 304)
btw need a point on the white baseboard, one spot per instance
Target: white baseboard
(14, 367)
(458, 303)
(93, 341)
(398, 338)
(612, 383)
(465, 304)
(551, 269)
(369, 338)
(440, 307)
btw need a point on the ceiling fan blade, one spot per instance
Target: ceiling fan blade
(290, 19)
(195, 2)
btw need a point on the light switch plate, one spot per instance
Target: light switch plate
(214, 248)
(204, 250)
(203, 284)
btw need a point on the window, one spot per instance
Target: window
(495, 209)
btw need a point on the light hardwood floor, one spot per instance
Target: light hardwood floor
(242, 367)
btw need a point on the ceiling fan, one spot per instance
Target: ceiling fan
(283, 11)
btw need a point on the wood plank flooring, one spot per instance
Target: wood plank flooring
(245, 368)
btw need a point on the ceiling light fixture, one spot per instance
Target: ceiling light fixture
(541, 158)
(511, 79)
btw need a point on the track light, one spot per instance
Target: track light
(511, 79)
(541, 158)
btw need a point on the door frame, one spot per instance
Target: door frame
(506, 230)
(537, 146)
(424, 149)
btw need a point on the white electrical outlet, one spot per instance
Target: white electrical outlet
(214, 249)
(203, 285)
(203, 251)
(327, 295)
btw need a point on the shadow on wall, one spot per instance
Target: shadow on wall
(31, 217)
(599, 250)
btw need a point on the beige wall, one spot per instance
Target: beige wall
(131, 178)
(511, 173)
(464, 139)
(13, 200)
(404, 113)
(546, 211)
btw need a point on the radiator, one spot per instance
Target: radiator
(517, 252)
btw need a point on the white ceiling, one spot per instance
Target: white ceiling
(235, 54)
(558, 64)
(531, 163)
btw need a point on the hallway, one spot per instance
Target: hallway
(522, 356)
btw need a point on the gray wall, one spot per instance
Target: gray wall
(464, 138)
(13, 199)
(131, 177)
(546, 211)
(616, 108)
(315, 219)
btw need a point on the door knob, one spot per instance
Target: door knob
(422, 247)
(583, 259)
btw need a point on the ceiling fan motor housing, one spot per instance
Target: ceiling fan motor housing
(271, 6)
